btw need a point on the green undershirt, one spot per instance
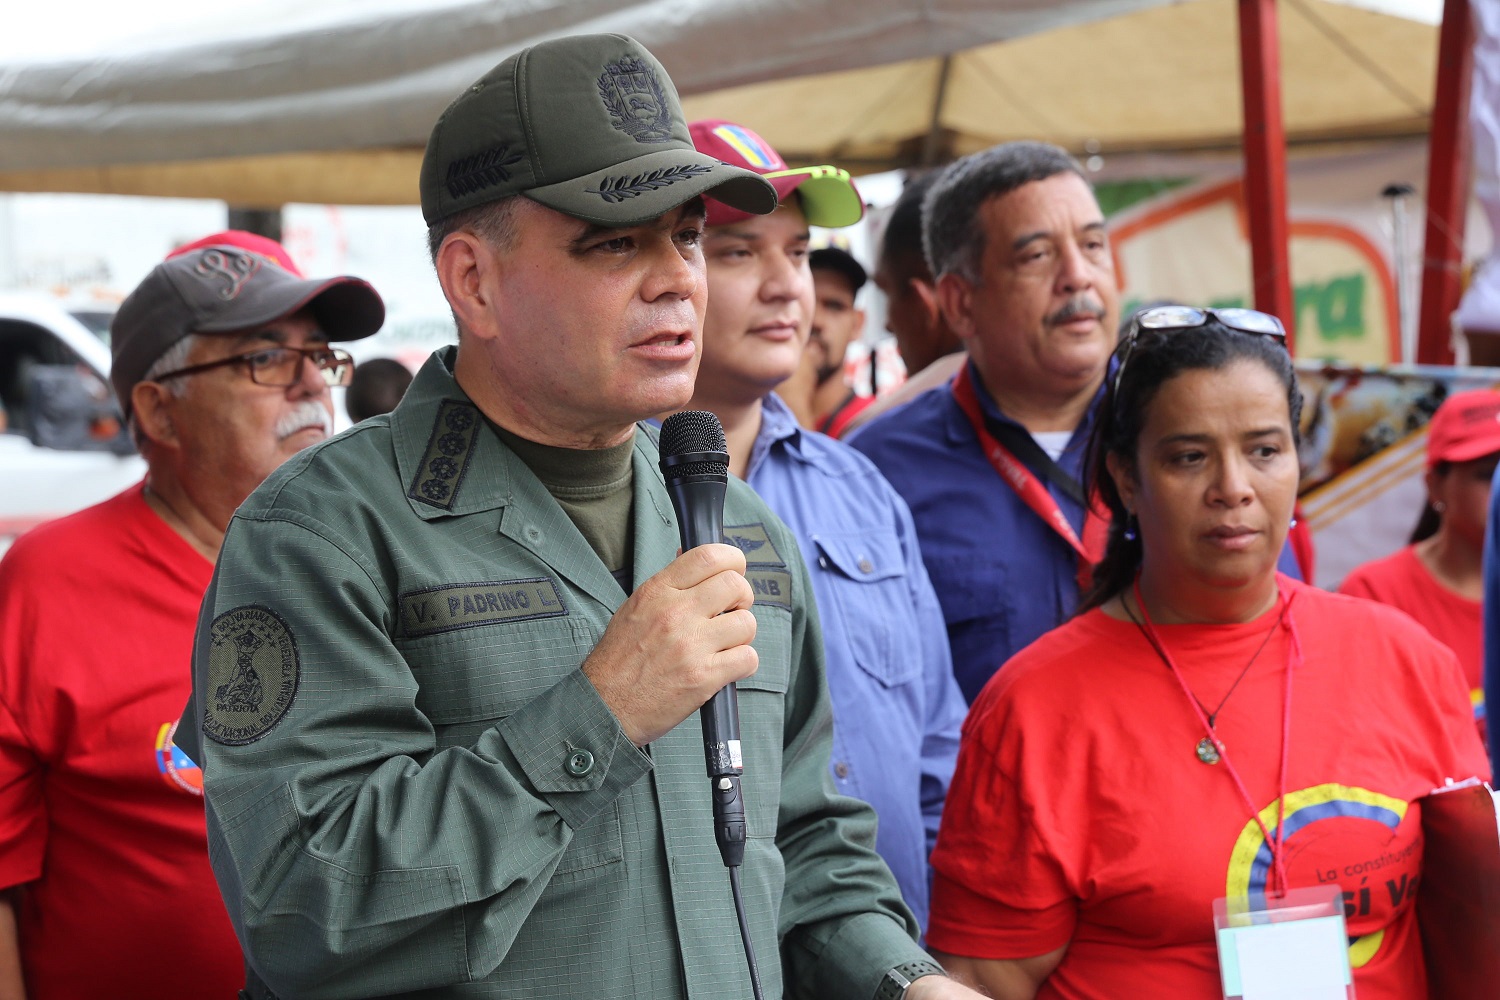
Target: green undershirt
(593, 487)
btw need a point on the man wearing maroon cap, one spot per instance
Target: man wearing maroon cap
(896, 706)
(222, 366)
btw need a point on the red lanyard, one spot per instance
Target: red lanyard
(1293, 659)
(1031, 490)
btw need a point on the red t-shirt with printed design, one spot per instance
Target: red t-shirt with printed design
(1403, 581)
(1080, 814)
(101, 818)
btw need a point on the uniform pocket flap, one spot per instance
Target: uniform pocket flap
(860, 556)
(773, 643)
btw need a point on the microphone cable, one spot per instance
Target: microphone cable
(739, 911)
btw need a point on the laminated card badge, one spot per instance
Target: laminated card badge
(1279, 948)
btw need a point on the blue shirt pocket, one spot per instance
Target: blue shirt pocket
(870, 606)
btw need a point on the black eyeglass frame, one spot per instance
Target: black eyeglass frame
(328, 361)
(1261, 325)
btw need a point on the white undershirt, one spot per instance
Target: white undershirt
(1052, 442)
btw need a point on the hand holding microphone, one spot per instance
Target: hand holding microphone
(683, 638)
(679, 638)
(685, 633)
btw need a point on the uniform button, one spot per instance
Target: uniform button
(533, 534)
(865, 566)
(580, 763)
(841, 769)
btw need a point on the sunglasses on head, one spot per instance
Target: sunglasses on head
(1176, 318)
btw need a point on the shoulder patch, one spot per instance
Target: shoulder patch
(446, 458)
(753, 540)
(468, 605)
(253, 672)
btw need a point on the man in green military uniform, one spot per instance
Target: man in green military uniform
(447, 674)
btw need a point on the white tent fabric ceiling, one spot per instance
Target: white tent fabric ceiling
(336, 109)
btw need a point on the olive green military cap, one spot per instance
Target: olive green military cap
(589, 125)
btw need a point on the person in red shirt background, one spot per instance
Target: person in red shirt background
(222, 365)
(1204, 727)
(1438, 579)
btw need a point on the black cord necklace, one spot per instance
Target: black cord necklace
(1206, 751)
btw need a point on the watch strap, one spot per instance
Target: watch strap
(895, 982)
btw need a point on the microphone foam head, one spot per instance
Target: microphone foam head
(694, 432)
(690, 431)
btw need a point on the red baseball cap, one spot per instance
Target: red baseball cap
(1465, 427)
(829, 197)
(254, 242)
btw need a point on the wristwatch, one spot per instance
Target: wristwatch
(897, 980)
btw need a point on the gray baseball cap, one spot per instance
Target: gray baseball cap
(589, 125)
(224, 290)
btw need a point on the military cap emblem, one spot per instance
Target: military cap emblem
(482, 170)
(635, 100)
(253, 672)
(616, 189)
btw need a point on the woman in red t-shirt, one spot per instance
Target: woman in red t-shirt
(1204, 728)
(1437, 579)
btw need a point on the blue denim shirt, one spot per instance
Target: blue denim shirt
(1003, 576)
(896, 709)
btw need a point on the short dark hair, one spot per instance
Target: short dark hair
(1157, 357)
(901, 241)
(952, 235)
(494, 221)
(837, 260)
(376, 388)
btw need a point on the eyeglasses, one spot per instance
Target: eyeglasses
(1173, 318)
(281, 367)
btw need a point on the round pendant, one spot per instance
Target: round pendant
(1207, 752)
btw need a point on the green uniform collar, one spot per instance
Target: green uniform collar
(449, 461)
(452, 464)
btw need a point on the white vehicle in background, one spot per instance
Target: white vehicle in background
(62, 448)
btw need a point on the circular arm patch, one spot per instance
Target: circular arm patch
(252, 675)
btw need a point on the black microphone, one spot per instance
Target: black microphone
(695, 464)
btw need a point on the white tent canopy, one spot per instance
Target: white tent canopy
(332, 102)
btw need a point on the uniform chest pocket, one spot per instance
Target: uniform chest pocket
(485, 673)
(470, 678)
(870, 592)
(972, 591)
(762, 701)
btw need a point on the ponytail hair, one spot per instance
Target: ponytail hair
(1430, 520)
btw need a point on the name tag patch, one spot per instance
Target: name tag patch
(469, 605)
(771, 586)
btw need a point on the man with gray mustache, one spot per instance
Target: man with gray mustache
(223, 367)
(989, 462)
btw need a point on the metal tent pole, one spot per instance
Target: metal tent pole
(1447, 185)
(1265, 160)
